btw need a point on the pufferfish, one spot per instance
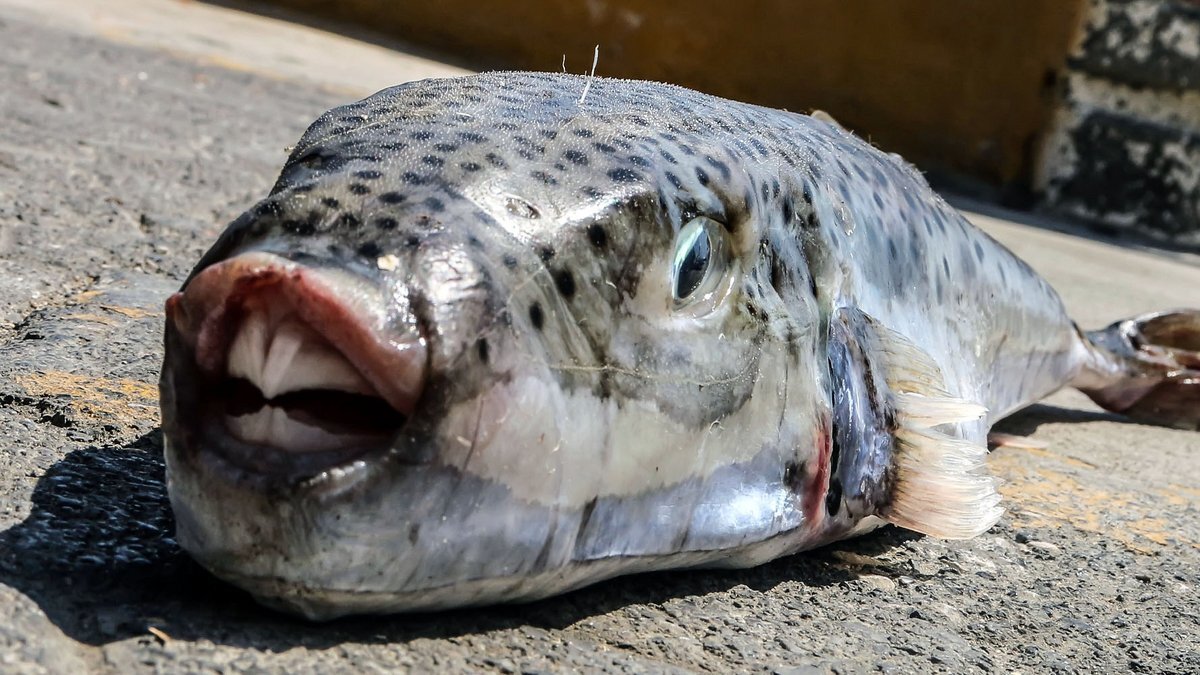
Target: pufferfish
(492, 338)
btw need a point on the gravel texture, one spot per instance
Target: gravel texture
(120, 161)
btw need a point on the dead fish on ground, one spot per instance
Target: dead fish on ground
(487, 340)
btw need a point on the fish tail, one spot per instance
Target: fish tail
(1147, 368)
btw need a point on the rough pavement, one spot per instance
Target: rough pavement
(123, 153)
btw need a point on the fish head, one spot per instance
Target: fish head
(484, 343)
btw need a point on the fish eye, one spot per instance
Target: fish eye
(699, 260)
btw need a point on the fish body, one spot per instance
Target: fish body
(495, 337)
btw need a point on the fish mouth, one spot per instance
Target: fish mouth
(293, 370)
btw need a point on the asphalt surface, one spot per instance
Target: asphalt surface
(131, 135)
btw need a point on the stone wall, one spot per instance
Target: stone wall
(1124, 148)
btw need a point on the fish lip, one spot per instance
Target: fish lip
(193, 419)
(208, 323)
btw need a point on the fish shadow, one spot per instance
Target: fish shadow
(97, 555)
(1026, 421)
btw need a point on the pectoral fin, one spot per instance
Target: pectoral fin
(900, 455)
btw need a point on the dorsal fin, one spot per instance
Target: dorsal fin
(929, 481)
(826, 118)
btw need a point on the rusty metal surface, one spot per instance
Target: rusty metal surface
(121, 158)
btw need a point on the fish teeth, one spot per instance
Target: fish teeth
(290, 357)
(274, 427)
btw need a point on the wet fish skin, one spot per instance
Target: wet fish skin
(574, 421)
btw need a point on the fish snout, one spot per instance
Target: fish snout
(291, 369)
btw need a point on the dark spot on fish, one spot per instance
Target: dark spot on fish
(393, 197)
(979, 251)
(577, 157)
(623, 175)
(369, 250)
(414, 533)
(386, 223)
(445, 147)
(638, 160)
(470, 166)
(536, 317)
(412, 178)
(496, 160)
(833, 498)
(348, 221)
(585, 517)
(946, 266)
(312, 160)
(474, 242)
(330, 202)
(583, 133)
(548, 134)
(368, 174)
(604, 385)
(565, 283)
(721, 167)
(892, 253)
(472, 137)
(702, 176)
(421, 135)
(359, 189)
(299, 227)
(661, 198)
(597, 235)
(543, 177)
(793, 477)
(604, 147)
(432, 160)
(674, 180)
(509, 260)
(481, 348)
(668, 156)
(546, 253)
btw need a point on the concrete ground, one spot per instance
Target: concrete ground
(134, 130)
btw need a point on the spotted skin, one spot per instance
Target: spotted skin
(577, 423)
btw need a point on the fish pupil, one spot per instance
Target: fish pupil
(693, 267)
